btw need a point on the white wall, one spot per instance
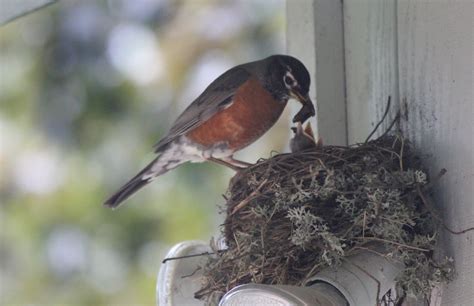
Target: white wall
(436, 66)
(370, 63)
(422, 54)
(315, 36)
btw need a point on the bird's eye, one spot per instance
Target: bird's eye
(289, 81)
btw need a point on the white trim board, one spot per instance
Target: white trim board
(315, 36)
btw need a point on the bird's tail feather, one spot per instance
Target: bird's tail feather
(156, 168)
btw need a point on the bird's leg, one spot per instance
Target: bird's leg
(225, 163)
(236, 162)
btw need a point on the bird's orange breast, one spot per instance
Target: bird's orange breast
(252, 113)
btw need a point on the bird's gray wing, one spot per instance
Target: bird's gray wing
(217, 96)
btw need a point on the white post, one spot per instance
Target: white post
(315, 36)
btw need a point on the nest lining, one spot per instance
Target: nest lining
(290, 216)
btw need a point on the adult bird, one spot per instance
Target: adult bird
(232, 112)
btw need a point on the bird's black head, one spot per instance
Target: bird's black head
(296, 76)
(286, 77)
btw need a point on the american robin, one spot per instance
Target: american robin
(304, 138)
(232, 112)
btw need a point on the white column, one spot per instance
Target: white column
(315, 36)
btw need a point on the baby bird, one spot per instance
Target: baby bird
(304, 139)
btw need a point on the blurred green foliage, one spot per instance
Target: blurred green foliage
(86, 89)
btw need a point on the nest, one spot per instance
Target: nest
(290, 216)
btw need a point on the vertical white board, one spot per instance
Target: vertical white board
(315, 36)
(436, 53)
(370, 39)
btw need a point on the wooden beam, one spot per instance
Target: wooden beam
(370, 32)
(315, 36)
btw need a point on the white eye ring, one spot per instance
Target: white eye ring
(289, 80)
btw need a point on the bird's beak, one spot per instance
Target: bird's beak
(308, 108)
(303, 99)
(298, 96)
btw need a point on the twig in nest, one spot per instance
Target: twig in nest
(427, 204)
(188, 256)
(381, 120)
(370, 250)
(194, 272)
(249, 198)
(397, 117)
(311, 273)
(393, 242)
(402, 140)
(364, 223)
